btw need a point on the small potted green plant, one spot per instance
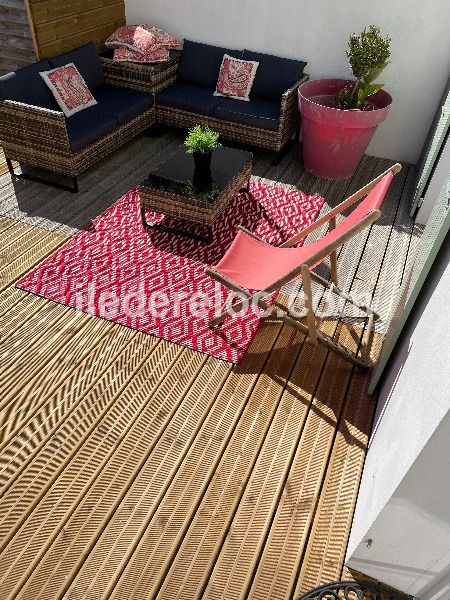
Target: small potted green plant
(339, 116)
(201, 141)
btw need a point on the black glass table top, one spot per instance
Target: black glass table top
(178, 176)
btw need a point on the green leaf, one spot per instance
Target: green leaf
(373, 73)
(369, 90)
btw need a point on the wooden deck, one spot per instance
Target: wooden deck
(134, 468)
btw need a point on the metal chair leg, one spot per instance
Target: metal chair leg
(59, 186)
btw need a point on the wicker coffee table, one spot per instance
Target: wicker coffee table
(176, 190)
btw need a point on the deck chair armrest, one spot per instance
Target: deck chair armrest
(244, 230)
(340, 208)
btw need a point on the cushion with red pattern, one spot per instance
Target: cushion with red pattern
(142, 38)
(236, 78)
(69, 89)
(165, 39)
(126, 55)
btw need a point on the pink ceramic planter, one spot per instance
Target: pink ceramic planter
(334, 140)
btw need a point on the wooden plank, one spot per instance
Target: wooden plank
(198, 551)
(123, 467)
(19, 30)
(67, 412)
(16, 51)
(325, 554)
(7, 41)
(9, 298)
(53, 10)
(44, 525)
(6, 223)
(55, 455)
(188, 478)
(13, 15)
(81, 22)
(25, 402)
(32, 28)
(16, 41)
(235, 565)
(28, 259)
(16, 241)
(98, 35)
(14, 4)
(17, 314)
(157, 547)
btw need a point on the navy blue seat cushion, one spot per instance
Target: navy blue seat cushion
(87, 126)
(122, 103)
(200, 63)
(27, 86)
(87, 62)
(258, 112)
(191, 98)
(274, 75)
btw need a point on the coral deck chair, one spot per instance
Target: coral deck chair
(254, 269)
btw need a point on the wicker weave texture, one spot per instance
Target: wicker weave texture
(38, 136)
(144, 78)
(255, 136)
(183, 207)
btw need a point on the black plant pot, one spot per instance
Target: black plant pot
(202, 166)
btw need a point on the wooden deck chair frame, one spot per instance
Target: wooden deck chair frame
(311, 330)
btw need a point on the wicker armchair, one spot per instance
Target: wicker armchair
(289, 124)
(38, 137)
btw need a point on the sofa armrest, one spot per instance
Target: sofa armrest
(32, 127)
(289, 114)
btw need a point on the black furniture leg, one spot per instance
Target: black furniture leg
(54, 184)
(280, 155)
(246, 188)
(207, 239)
(284, 150)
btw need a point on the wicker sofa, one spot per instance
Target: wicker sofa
(269, 120)
(34, 131)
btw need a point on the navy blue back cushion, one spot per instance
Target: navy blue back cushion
(200, 63)
(87, 62)
(27, 86)
(274, 74)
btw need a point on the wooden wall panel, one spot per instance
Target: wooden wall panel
(62, 26)
(17, 47)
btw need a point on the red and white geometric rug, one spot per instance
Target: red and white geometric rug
(155, 281)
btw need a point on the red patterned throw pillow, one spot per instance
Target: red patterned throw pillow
(236, 78)
(135, 37)
(69, 89)
(126, 55)
(142, 38)
(164, 38)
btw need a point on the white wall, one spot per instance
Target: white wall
(404, 499)
(317, 31)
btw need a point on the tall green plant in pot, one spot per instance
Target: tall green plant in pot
(201, 141)
(340, 116)
(368, 54)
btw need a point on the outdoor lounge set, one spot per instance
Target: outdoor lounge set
(36, 132)
(239, 95)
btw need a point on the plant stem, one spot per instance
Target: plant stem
(355, 88)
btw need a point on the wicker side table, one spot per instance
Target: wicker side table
(172, 190)
(141, 77)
